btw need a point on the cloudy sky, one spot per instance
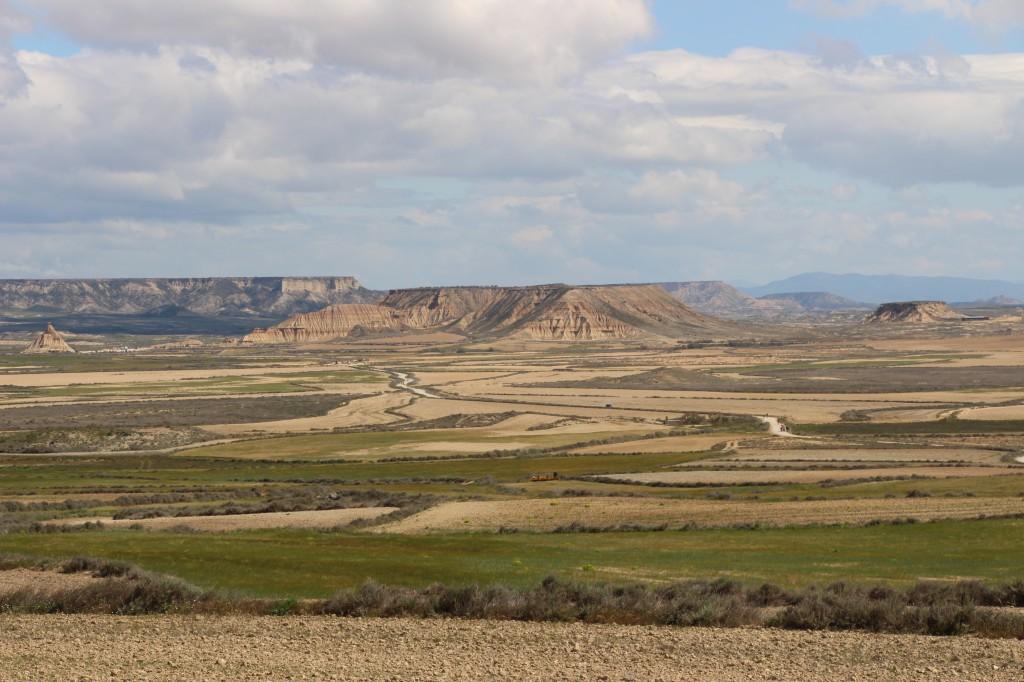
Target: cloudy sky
(418, 142)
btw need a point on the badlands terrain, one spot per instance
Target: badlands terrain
(846, 490)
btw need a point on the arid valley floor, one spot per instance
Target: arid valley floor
(774, 477)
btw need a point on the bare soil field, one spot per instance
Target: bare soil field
(326, 518)
(915, 414)
(182, 412)
(245, 648)
(1009, 412)
(433, 409)
(79, 378)
(510, 387)
(372, 411)
(822, 408)
(515, 433)
(545, 515)
(691, 478)
(831, 378)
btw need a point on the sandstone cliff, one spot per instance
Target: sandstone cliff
(548, 312)
(914, 311)
(49, 341)
(333, 322)
(263, 296)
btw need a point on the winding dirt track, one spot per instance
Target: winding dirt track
(250, 648)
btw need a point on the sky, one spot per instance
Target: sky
(428, 142)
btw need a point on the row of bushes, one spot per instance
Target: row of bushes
(925, 608)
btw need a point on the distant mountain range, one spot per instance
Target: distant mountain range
(886, 288)
(724, 300)
(818, 301)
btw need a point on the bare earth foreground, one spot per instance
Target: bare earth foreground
(248, 648)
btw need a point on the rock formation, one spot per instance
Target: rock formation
(330, 323)
(915, 312)
(554, 312)
(49, 341)
(264, 296)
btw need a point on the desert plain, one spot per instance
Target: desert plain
(814, 502)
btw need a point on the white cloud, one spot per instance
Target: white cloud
(845, 191)
(530, 236)
(894, 120)
(856, 8)
(994, 15)
(432, 166)
(12, 78)
(525, 38)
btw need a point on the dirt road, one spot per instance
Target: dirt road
(777, 428)
(405, 383)
(249, 648)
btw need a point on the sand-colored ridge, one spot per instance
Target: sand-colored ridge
(555, 312)
(331, 322)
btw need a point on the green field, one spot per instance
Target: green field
(15, 363)
(229, 385)
(938, 428)
(155, 472)
(312, 564)
(376, 444)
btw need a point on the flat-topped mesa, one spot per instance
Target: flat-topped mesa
(915, 312)
(550, 312)
(274, 296)
(49, 341)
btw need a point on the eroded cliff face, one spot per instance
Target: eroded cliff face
(49, 341)
(543, 313)
(201, 295)
(444, 306)
(568, 321)
(333, 322)
(914, 312)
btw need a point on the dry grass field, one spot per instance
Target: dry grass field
(610, 512)
(326, 518)
(789, 475)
